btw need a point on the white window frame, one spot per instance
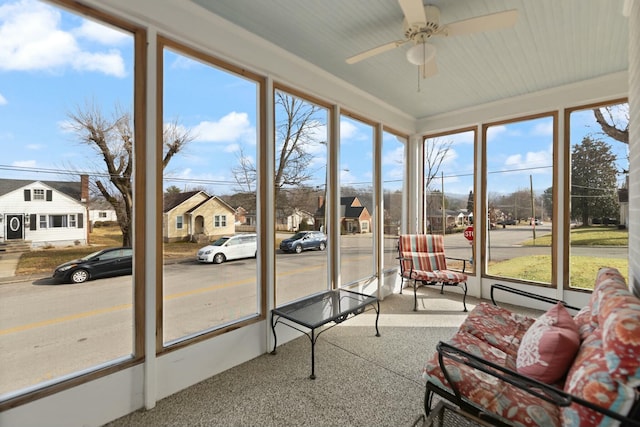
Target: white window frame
(219, 221)
(38, 194)
(42, 221)
(179, 222)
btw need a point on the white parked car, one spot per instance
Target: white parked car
(228, 248)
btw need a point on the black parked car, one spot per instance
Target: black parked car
(107, 262)
(304, 240)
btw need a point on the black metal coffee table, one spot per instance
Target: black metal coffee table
(318, 310)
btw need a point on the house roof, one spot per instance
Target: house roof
(346, 208)
(210, 199)
(72, 189)
(171, 200)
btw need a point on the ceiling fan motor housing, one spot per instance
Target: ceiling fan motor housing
(421, 31)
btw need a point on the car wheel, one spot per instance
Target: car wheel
(79, 276)
(322, 246)
(298, 249)
(218, 258)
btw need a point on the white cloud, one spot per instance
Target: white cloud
(31, 39)
(543, 160)
(34, 147)
(347, 130)
(231, 128)
(545, 128)
(495, 131)
(3, 100)
(100, 33)
(24, 163)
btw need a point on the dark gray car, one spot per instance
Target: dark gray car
(304, 240)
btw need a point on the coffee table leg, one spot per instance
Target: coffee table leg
(275, 338)
(377, 316)
(313, 355)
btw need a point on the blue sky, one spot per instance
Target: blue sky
(53, 62)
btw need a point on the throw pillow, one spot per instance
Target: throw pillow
(549, 346)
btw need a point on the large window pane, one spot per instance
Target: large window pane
(356, 201)
(300, 190)
(209, 204)
(519, 185)
(66, 104)
(392, 185)
(599, 205)
(449, 193)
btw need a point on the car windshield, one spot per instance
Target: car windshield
(221, 241)
(91, 255)
(299, 235)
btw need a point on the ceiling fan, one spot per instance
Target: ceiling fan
(423, 22)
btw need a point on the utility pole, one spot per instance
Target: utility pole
(533, 209)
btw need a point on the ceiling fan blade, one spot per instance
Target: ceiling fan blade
(494, 21)
(413, 11)
(429, 69)
(375, 51)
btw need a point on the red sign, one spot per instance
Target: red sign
(468, 233)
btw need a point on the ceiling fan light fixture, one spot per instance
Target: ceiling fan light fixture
(421, 53)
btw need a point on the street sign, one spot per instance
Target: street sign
(468, 233)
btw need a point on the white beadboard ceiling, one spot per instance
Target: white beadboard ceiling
(554, 42)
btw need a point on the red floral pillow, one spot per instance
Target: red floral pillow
(549, 346)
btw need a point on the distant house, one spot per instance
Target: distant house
(354, 218)
(101, 211)
(295, 220)
(44, 213)
(196, 216)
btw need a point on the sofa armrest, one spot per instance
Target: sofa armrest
(536, 388)
(520, 292)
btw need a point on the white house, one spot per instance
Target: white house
(44, 213)
(101, 211)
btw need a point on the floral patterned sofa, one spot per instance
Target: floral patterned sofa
(556, 370)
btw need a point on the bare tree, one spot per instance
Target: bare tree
(113, 140)
(296, 129)
(611, 125)
(435, 151)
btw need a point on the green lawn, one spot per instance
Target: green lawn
(583, 269)
(587, 236)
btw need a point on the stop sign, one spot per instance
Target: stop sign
(468, 233)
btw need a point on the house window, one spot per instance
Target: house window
(58, 221)
(220, 221)
(38, 194)
(72, 221)
(179, 222)
(43, 221)
(102, 214)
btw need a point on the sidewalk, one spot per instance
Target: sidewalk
(8, 265)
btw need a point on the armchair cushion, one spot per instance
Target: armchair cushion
(549, 346)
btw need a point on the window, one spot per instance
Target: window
(220, 221)
(392, 184)
(449, 183)
(300, 165)
(357, 261)
(81, 77)
(200, 97)
(58, 221)
(519, 178)
(599, 199)
(102, 214)
(179, 222)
